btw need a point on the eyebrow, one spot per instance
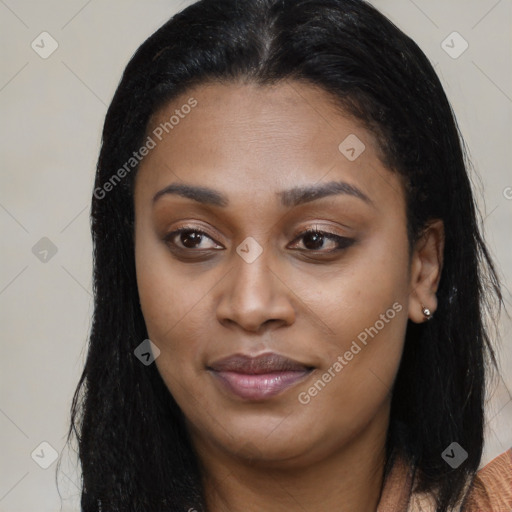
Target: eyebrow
(289, 198)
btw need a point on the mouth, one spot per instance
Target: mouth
(258, 378)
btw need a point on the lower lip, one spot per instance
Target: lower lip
(259, 387)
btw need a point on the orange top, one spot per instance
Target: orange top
(491, 490)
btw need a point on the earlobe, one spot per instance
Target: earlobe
(426, 269)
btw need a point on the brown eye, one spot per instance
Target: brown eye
(189, 238)
(314, 240)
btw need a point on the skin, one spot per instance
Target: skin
(249, 142)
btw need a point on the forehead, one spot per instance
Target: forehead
(251, 141)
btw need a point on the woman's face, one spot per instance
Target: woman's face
(275, 343)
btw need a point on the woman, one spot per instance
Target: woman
(290, 282)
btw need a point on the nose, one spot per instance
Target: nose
(255, 297)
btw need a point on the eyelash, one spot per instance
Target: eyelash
(343, 242)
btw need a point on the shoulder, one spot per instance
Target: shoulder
(491, 490)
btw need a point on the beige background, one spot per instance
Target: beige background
(52, 114)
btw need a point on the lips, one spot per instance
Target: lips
(258, 378)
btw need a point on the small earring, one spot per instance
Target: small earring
(426, 312)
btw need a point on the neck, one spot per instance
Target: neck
(348, 478)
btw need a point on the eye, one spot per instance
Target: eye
(190, 238)
(314, 240)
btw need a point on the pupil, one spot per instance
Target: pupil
(315, 237)
(190, 238)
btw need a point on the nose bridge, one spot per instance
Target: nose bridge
(252, 279)
(253, 294)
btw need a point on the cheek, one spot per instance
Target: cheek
(168, 303)
(166, 295)
(168, 291)
(361, 360)
(174, 299)
(352, 297)
(368, 318)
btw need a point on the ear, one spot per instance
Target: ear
(426, 268)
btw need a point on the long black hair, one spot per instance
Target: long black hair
(133, 446)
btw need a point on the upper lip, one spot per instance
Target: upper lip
(262, 364)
